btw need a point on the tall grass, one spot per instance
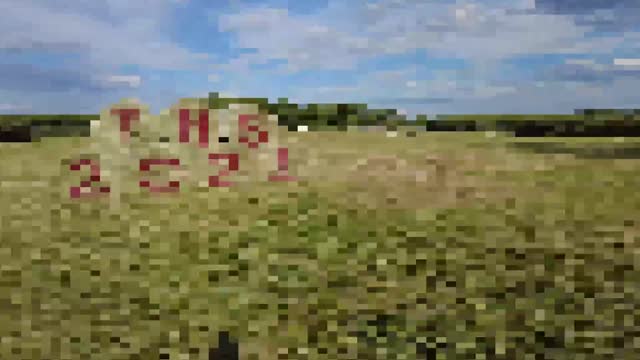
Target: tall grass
(386, 248)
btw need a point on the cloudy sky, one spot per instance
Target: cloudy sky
(419, 56)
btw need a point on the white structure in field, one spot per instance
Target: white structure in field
(239, 143)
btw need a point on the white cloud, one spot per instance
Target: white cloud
(306, 42)
(318, 29)
(111, 33)
(528, 4)
(585, 62)
(627, 62)
(394, 75)
(342, 35)
(131, 80)
(334, 89)
(491, 91)
(13, 107)
(515, 35)
(588, 64)
(461, 14)
(114, 32)
(372, 6)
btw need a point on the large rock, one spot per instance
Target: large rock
(239, 141)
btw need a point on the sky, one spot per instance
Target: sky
(416, 56)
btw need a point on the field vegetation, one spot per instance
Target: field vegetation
(443, 244)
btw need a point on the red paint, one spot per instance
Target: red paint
(283, 167)
(184, 125)
(145, 165)
(202, 123)
(233, 165)
(203, 126)
(126, 116)
(263, 137)
(283, 159)
(281, 178)
(243, 126)
(244, 119)
(75, 191)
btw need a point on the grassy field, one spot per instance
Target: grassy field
(386, 248)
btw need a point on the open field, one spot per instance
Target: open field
(386, 248)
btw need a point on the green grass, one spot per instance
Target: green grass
(498, 250)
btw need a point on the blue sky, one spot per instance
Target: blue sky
(417, 56)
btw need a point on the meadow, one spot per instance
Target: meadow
(447, 245)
